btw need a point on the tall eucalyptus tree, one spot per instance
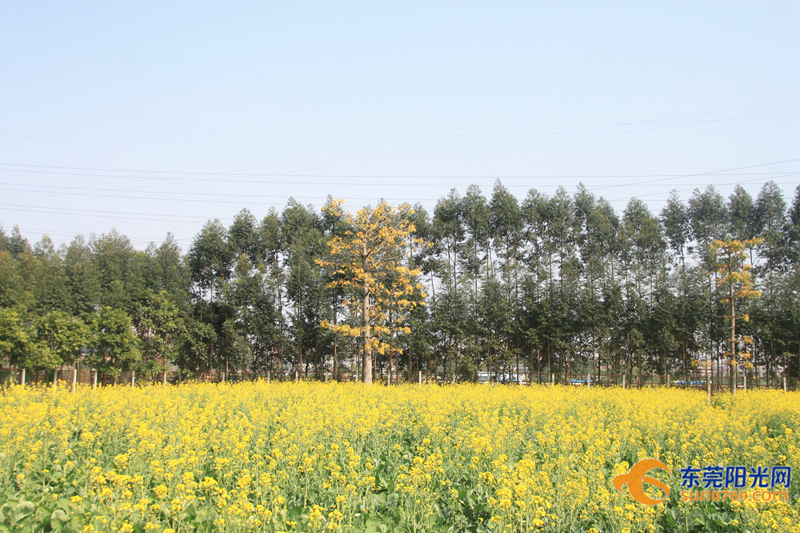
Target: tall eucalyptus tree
(305, 281)
(449, 309)
(770, 225)
(709, 220)
(82, 279)
(475, 260)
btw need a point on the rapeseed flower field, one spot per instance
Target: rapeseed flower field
(345, 457)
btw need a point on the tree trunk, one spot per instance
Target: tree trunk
(639, 359)
(538, 363)
(734, 365)
(367, 376)
(448, 365)
(335, 348)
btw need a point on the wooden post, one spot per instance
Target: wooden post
(785, 388)
(94, 382)
(552, 379)
(74, 379)
(709, 391)
(623, 380)
(22, 381)
(133, 378)
(296, 375)
(268, 375)
(420, 378)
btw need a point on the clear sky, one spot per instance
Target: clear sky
(155, 117)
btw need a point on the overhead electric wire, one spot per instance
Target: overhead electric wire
(704, 173)
(679, 117)
(107, 214)
(372, 177)
(691, 189)
(653, 121)
(333, 180)
(157, 198)
(165, 195)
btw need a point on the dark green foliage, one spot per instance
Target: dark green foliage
(114, 348)
(553, 284)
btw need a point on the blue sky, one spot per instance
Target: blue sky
(155, 117)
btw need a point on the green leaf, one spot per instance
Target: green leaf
(295, 513)
(63, 504)
(21, 511)
(77, 523)
(60, 515)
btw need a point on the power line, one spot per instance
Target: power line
(519, 137)
(679, 117)
(686, 190)
(706, 173)
(370, 177)
(109, 214)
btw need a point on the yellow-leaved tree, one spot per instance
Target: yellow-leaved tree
(730, 258)
(371, 262)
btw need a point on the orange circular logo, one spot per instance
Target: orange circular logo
(637, 477)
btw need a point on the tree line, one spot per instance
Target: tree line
(547, 284)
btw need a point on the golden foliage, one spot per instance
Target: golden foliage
(370, 260)
(734, 275)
